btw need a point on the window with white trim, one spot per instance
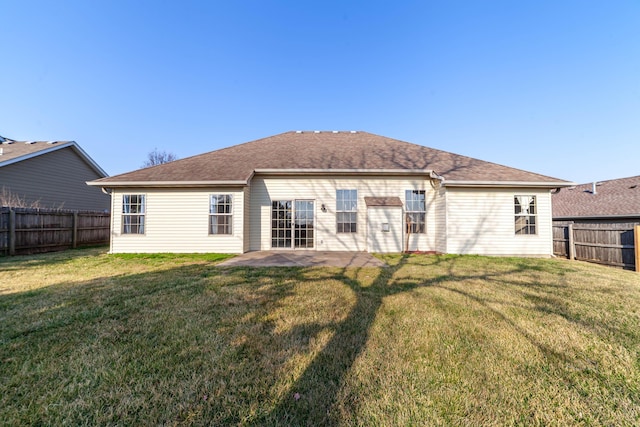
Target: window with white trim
(221, 214)
(416, 211)
(526, 212)
(133, 213)
(347, 211)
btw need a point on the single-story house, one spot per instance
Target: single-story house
(615, 200)
(331, 191)
(51, 174)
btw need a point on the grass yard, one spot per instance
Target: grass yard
(88, 338)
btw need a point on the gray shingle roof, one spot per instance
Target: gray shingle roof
(14, 149)
(616, 197)
(323, 151)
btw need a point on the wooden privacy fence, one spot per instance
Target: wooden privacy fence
(27, 231)
(614, 244)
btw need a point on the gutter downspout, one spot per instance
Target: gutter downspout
(433, 177)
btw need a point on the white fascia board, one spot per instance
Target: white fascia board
(506, 184)
(167, 184)
(89, 160)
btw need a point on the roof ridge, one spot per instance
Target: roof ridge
(609, 180)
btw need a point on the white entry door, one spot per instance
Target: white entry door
(384, 229)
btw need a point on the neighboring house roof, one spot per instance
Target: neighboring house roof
(613, 198)
(16, 151)
(332, 152)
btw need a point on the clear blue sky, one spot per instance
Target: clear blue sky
(547, 86)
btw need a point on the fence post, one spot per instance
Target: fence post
(636, 244)
(74, 238)
(572, 246)
(12, 232)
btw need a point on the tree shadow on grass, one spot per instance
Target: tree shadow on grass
(206, 345)
(312, 398)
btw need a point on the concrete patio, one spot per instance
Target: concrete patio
(303, 259)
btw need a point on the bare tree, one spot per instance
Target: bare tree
(13, 200)
(157, 157)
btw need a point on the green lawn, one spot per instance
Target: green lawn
(88, 338)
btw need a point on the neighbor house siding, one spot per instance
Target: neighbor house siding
(177, 221)
(323, 191)
(481, 221)
(55, 180)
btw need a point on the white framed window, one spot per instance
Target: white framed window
(526, 211)
(221, 214)
(347, 211)
(416, 210)
(133, 213)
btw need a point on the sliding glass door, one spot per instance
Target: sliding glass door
(292, 224)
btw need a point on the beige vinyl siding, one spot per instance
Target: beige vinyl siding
(481, 221)
(323, 191)
(246, 231)
(55, 179)
(177, 221)
(440, 206)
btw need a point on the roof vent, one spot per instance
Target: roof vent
(52, 142)
(334, 131)
(29, 142)
(354, 131)
(298, 131)
(316, 131)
